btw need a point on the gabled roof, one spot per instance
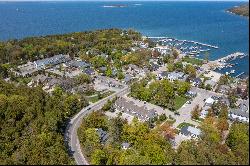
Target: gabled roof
(164, 74)
(209, 100)
(52, 60)
(188, 130)
(197, 80)
(125, 145)
(89, 71)
(102, 134)
(239, 112)
(74, 63)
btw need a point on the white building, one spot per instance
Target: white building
(209, 101)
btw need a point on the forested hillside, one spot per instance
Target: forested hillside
(32, 124)
(33, 48)
(152, 146)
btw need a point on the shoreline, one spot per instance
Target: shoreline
(237, 14)
(227, 67)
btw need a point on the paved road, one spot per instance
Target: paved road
(71, 137)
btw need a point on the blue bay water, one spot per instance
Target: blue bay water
(206, 22)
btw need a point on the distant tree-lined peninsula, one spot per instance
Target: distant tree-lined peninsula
(242, 10)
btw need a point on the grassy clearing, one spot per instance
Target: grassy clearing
(179, 102)
(97, 97)
(93, 99)
(194, 61)
(184, 124)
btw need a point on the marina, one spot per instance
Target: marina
(240, 74)
(187, 47)
(223, 64)
(231, 57)
(192, 48)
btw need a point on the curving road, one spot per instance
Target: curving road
(71, 137)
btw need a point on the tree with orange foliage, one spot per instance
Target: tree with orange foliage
(167, 131)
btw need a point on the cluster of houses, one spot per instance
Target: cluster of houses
(129, 107)
(60, 64)
(172, 76)
(103, 136)
(240, 113)
(50, 82)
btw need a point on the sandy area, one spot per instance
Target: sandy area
(215, 76)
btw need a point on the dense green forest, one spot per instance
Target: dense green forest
(32, 124)
(33, 48)
(152, 146)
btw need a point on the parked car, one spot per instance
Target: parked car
(177, 113)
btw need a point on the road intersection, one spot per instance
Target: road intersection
(71, 137)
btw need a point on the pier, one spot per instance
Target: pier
(157, 37)
(194, 42)
(229, 57)
(239, 74)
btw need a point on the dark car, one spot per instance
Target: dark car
(177, 113)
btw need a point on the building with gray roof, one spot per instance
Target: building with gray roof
(103, 135)
(175, 76)
(125, 145)
(129, 107)
(77, 64)
(57, 59)
(190, 131)
(239, 114)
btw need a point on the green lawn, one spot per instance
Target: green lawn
(179, 102)
(24, 80)
(95, 98)
(194, 61)
(184, 124)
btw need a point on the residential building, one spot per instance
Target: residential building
(196, 81)
(240, 114)
(129, 107)
(57, 59)
(190, 132)
(125, 145)
(163, 75)
(77, 64)
(172, 76)
(191, 94)
(89, 71)
(224, 89)
(209, 101)
(103, 135)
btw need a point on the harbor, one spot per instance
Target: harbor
(228, 64)
(192, 48)
(187, 47)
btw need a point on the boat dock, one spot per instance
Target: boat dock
(157, 37)
(229, 57)
(163, 39)
(239, 74)
(203, 44)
